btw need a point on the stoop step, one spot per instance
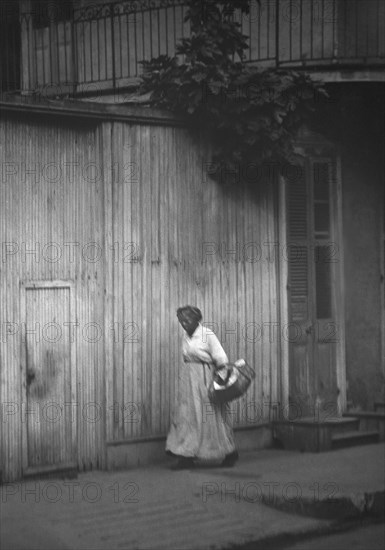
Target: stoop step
(369, 421)
(379, 406)
(342, 424)
(310, 435)
(350, 439)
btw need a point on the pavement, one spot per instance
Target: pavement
(269, 495)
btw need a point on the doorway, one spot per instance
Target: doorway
(314, 298)
(48, 377)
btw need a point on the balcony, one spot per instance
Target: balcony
(84, 49)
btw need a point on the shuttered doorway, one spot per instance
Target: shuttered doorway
(313, 255)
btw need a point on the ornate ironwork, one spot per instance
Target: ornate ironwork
(100, 11)
(105, 42)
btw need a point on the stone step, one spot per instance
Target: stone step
(369, 421)
(310, 435)
(379, 406)
(351, 439)
(379, 415)
(342, 424)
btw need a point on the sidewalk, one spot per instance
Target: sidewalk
(267, 495)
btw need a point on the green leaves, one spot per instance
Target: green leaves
(251, 114)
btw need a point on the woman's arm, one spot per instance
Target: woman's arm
(216, 351)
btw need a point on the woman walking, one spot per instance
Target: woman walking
(200, 429)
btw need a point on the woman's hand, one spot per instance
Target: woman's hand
(222, 366)
(222, 374)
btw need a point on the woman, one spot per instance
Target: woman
(200, 429)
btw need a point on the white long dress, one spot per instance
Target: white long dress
(199, 428)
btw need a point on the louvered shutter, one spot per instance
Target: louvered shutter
(312, 368)
(298, 256)
(321, 178)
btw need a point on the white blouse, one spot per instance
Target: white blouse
(203, 346)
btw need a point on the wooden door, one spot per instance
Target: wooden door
(312, 258)
(48, 374)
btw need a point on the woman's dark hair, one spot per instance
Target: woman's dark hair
(190, 310)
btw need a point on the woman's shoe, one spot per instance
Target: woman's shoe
(183, 464)
(230, 459)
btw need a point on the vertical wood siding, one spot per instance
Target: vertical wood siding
(181, 238)
(51, 196)
(165, 235)
(47, 363)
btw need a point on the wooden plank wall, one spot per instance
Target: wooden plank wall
(187, 241)
(166, 235)
(51, 199)
(47, 365)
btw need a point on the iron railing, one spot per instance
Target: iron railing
(100, 46)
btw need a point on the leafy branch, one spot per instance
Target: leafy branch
(250, 114)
